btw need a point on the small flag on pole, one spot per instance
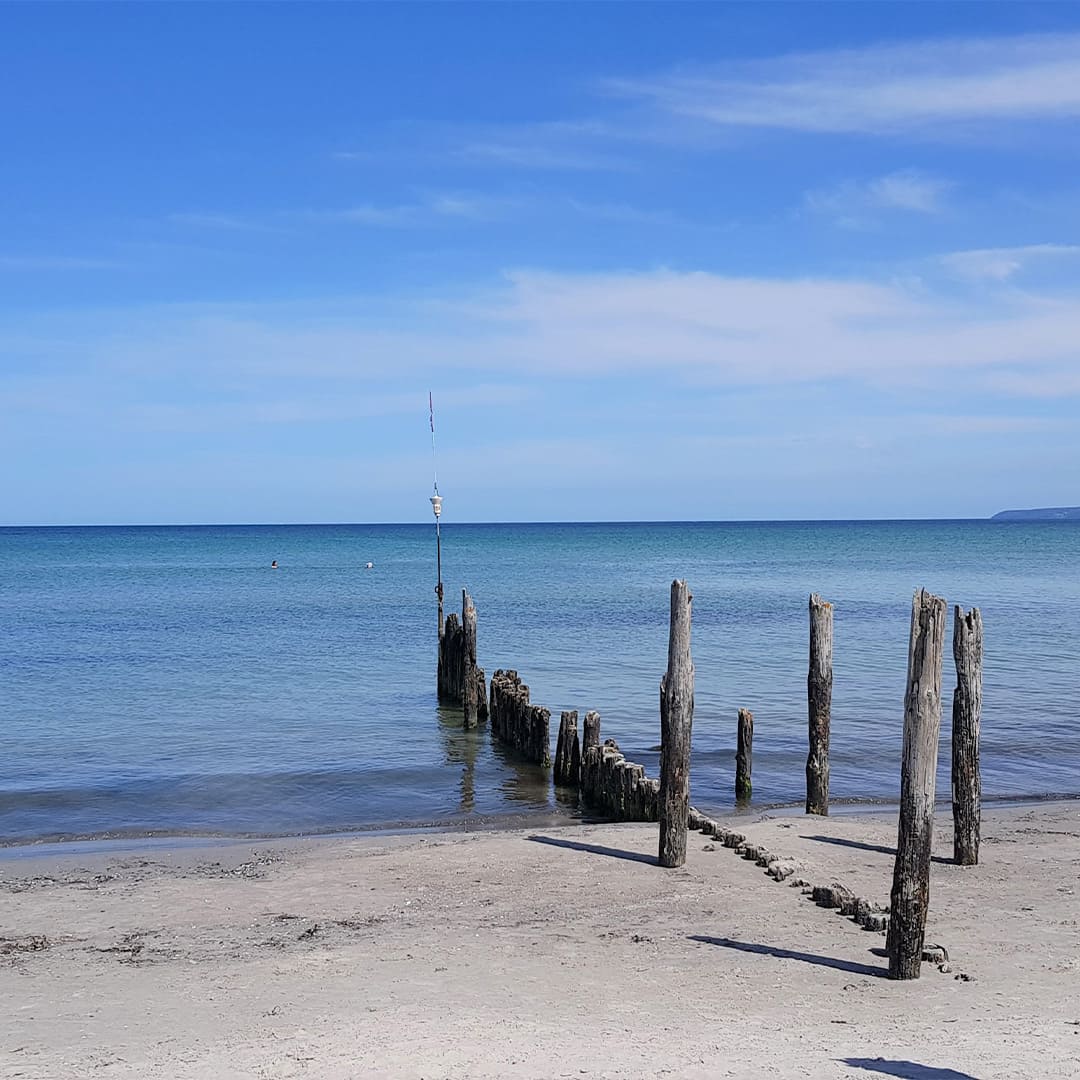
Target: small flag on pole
(431, 409)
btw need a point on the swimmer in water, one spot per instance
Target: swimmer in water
(273, 565)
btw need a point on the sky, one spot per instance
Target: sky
(653, 261)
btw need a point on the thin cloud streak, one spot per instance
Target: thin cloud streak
(523, 156)
(557, 145)
(698, 328)
(630, 215)
(56, 262)
(224, 222)
(1000, 264)
(884, 89)
(1050, 384)
(424, 211)
(436, 207)
(855, 204)
(311, 408)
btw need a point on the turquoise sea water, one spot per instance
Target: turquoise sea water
(167, 680)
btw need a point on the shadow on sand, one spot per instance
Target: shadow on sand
(790, 954)
(596, 849)
(882, 848)
(906, 1070)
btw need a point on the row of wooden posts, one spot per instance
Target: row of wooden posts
(621, 789)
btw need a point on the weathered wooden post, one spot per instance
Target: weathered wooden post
(966, 717)
(744, 757)
(676, 721)
(470, 700)
(591, 735)
(819, 697)
(568, 751)
(515, 721)
(922, 726)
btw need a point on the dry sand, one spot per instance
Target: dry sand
(544, 953)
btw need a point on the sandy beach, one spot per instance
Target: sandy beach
(540, 953)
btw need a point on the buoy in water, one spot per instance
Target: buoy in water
(369, 566)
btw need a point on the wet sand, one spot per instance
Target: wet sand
(541, 952)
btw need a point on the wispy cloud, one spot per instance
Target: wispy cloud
(1000, 264)
(854, 203)
(967, 424)
(369, 214)
(1040, 382)
(228, 222)
(910, 87)
(56, 262)
(315, 406)
(422, 212)
(626, 214)
(701, 329)
(524, 156)
(467, 206)
(571, 145)
(639, 363)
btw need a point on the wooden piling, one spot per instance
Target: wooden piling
(568, 751)
(470, 694)
(922, 725)
(461, 679)
(451, 661)
(517, 722)
(591, 735)
(744, 757)
(966, 718)
(616, 787)
(676, 721)
(819, 697)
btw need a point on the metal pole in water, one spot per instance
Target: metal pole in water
(436, 506)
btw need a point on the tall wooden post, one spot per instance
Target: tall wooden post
(922, 726)
(966, 718)
(744, 757)
(469, 688)
(676, 721)
(819, 697)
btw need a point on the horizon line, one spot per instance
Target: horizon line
(400, 524)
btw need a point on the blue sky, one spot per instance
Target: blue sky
(654, 261)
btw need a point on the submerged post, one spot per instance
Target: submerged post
(676, 720)
(966, 718)
(819, 697)
(744, 757)
(922, 726)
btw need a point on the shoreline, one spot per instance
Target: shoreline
(136, 841)
(541, 952)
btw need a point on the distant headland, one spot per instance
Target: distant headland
(1049, 513)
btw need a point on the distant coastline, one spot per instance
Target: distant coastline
(1048, 513)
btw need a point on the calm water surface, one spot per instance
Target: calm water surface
(165, 679)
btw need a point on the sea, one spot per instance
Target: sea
(166, 681)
